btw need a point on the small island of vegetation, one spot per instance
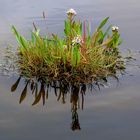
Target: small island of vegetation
(78, 57)
(68, 64)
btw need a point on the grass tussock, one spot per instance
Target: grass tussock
(79, 57)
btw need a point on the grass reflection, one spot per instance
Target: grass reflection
(40, 90)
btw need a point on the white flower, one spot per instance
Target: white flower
(77, 40)
(71, 11)
(115, 28)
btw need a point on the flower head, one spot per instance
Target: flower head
(115, 28)
(71, 12)
(77, 40)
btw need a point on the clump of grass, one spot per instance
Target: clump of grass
(78, 57)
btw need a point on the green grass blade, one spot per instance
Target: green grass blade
(102, 23)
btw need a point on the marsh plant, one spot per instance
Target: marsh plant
(68, 64)
(78, 57)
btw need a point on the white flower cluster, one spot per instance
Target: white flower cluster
(71, 12)
(115, 28)
(77, 40)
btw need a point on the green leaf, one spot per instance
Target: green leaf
(32, 37)
(16, 34)
(102, 23)
(107, 31)
(23, 42)
(67, 27)
(15, 31)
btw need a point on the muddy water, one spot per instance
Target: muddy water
(112, 113)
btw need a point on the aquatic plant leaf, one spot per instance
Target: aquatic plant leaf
(55, 91)
(36, 90)
(78, 57)
(33, 90)
(100, 38)
(103, 35)
(75, 56)
(37, 32)
(59, 96)
(82, 103)
(107, 31)
(32, 85)
(67, 27)
(32, 37)
(16, 33)
(21, 40)
(43, 97)
(37, 99)
(102, 23)
(47, 92)
(41, 93)
(15, 85)
(23, 94)
(94, 38)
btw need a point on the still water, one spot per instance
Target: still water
(112, 113)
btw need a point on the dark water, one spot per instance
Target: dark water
(112, 113)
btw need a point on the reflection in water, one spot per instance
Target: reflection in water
(39, 90)
(75, 104)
